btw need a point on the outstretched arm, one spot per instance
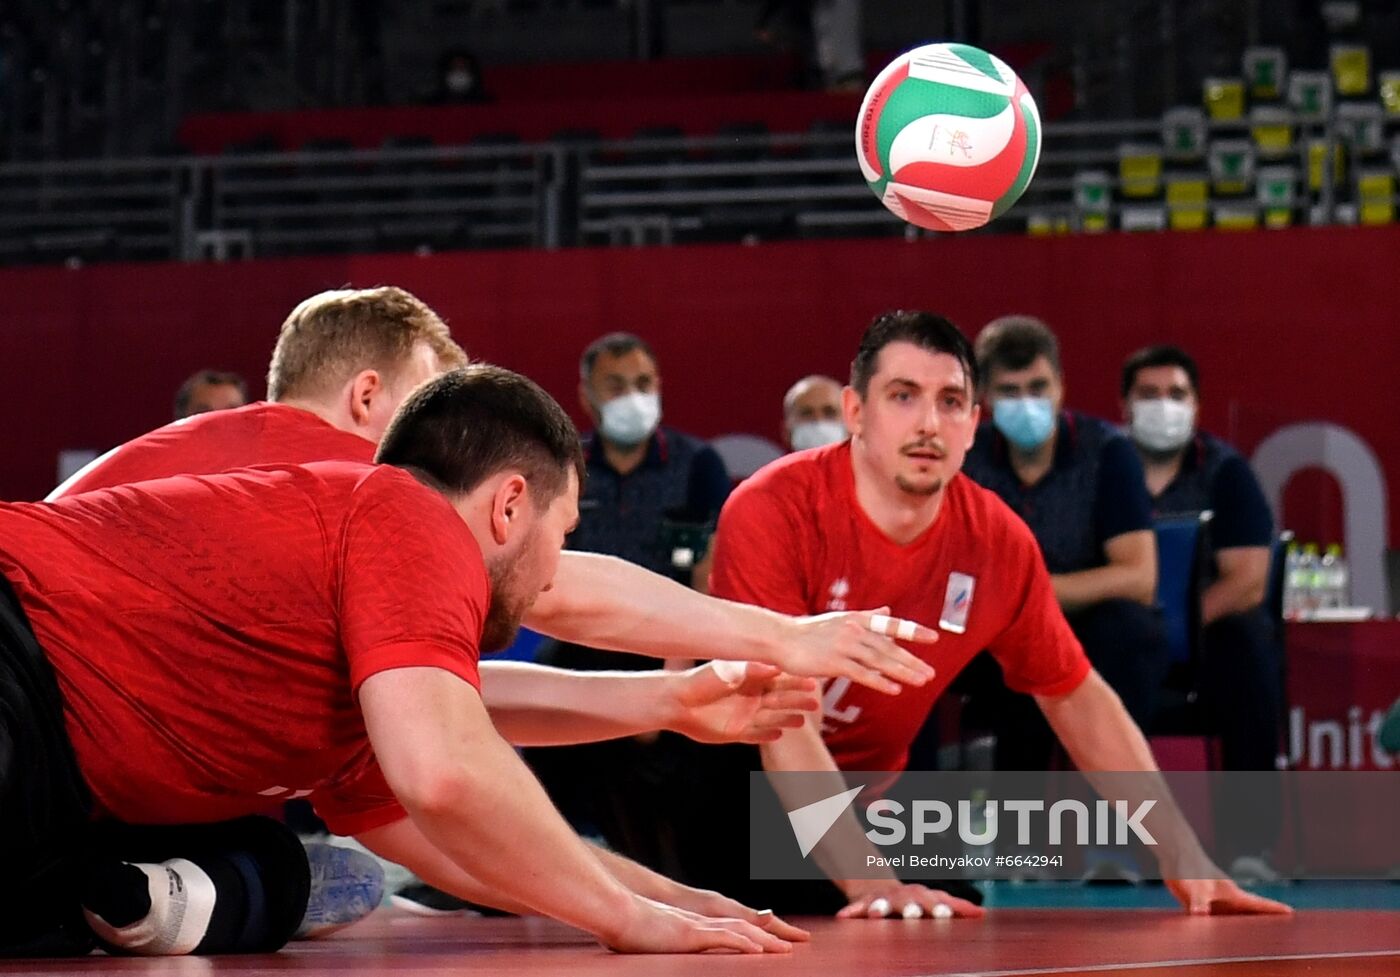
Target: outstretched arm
(722, 702)
(1099, 735)
(607, 603)
(474, 800)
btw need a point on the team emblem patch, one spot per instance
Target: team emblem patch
(957, 602)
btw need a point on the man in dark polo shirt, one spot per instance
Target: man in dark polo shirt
(1190, 471)
(651, 497)
(1078, 484)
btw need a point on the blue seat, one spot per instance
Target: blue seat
(1181, 570)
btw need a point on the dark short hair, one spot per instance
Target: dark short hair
(463, 426)
(923, 329)
(1150, 356)
(206, 378)
(614, 344)
(1014, 342)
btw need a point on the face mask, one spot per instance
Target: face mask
(814, 434)
(460, 81)
(629, 420)
(1025, 421)
(1162, 425)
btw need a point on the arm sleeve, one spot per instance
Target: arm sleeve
(756, 551)
(710, 484)
(1038, 653)
(1242, 516)
(1121, 502)
(413, 588)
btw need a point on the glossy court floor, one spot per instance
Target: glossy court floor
(1030, 930)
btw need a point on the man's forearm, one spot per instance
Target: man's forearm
(608, 603)
(804, 750)
(1100, 736)
(535, 705)
(1083, 588)
(1230, 595)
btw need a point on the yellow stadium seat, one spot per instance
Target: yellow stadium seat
(1093, 223)
(1224, 98)
(1277, 218)
(1139, 170)
(1317, 150)
(1272, 129)
(1351, 68)
(1375, 195)
(1236, 217)
(1040, 224)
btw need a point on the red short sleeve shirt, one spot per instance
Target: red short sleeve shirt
(209, 633)
(794, 538)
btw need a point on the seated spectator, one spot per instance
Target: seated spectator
(1078, 484)
(1186, 470)
(210, 390)
(652, 495)
(812, 413)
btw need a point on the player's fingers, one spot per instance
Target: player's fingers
(894, 662)
(791, 683)
(1239, 902)
(779, 927)
(854, 910)
(777, 720)
(768, 941)
(878, 908)
(790, 700)
(960, 908)
(718, 938)
(880, 622)
(870, 678)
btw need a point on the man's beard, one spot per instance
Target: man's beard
(926, 489)
(508, 607)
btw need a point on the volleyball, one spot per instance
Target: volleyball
(948, 137)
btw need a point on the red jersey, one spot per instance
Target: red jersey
(794, 538)
(218, 441)
(209, 633)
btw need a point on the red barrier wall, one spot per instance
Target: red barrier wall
(1288, 325)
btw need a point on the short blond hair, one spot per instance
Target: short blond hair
(332, 336)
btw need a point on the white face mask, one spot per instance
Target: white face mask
(1163, 424)
(628, 420)
(814, 434)
(460, 80)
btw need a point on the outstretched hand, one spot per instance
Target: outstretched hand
(740, 702)
(858, 645)
(1221, 897)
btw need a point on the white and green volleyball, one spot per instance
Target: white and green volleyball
(948, 137)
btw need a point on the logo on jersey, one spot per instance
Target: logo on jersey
(957, 601)
(837, 594)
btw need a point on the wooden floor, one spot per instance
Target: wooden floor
(1143, 943)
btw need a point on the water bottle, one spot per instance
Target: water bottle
(1293, 582)
(1310, 574)
(1337, 576)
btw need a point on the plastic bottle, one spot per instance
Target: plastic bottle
(1294, 583)
(1310, 575)
(1336, 577)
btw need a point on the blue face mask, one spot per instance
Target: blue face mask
(1025, 421)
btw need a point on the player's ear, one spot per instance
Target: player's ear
(508, 508)
(361, 391)
(976, 422)
(851, 409)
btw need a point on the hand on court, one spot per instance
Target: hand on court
(740, 702)
(1220, 897)
(858, 645)
(707, 902)
(878, 899)
(654, 927)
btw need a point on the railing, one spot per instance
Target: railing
(545, 195)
